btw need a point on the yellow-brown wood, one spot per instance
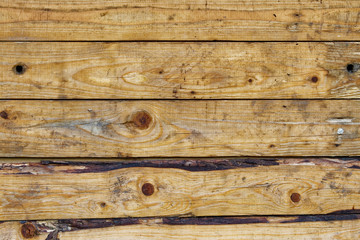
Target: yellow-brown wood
(179, 128)
(247, 20)
(282, 187)
(319, 227)
(310, 230)
(179, 70)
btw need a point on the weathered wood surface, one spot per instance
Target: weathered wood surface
(179, 70)
(179, 128)
(263, 20)
(30, 191)
(227, 228)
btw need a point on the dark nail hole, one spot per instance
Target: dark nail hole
(19, 68)
(271, 146)
(161, 71)
(250, 80)
(28, 230)
(352, 67)
(284, 106)
(4, 115)
(295, 197)
(102, 204)
(148, 189)
(337, 144)
(274, 15)
(192, 92)
(314, 79)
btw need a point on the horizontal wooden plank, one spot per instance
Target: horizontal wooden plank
(179, 70)
(47, 190)
(247, 20)
(298, 227)
(184, 128)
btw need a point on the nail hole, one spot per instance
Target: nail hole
(192, 92)
(314, 79)
(4, 115)
(148, 189)
(352, 67)
(28, 230)
(102, 204)
(250, 80)
(284, 106)
(271, 146)
(295, 197)
(19, 68)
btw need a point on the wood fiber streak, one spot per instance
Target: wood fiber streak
(179, 70)
(245, 20)
(179, 128)
(63, 191)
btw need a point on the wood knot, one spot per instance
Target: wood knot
(28, 230)
(4, 115)
(141, 120)
(295, 197)
(148, 189)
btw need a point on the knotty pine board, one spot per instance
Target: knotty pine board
(227, 228)
(187, 187)
(123, 20)
(259, 70)
(181, 128)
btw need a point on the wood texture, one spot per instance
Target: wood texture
(187, 188)
(180, 70)
(179, 128)
(245, 20)
(312, 227)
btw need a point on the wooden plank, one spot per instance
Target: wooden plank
(178, 188)
(179, 128)
(179, 70)
(227, 228)
(246, 20)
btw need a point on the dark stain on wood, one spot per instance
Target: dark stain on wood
(97, 223)
(213, 220)
(323, 218)
(189, 165)
(195, 164)
(67, 225)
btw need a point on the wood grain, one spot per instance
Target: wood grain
(179, 70)
(31, 191)
(263, 20)
(179, 128)
(298, 227)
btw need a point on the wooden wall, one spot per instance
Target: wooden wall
(192, 119)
